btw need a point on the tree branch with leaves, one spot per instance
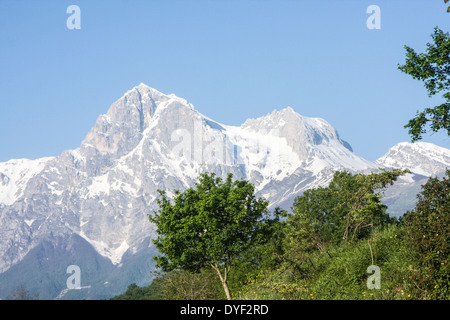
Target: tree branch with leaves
(433, 68)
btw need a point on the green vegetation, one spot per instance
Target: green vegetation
(209, 226)
(323, 248)
(433, 68)
(428, 231)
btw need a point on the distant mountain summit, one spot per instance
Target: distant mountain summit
(422, 158)
(89, 206)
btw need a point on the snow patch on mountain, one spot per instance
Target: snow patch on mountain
(14, 176)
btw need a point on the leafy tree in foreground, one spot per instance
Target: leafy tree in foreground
(433, 68)
(209, 226)
(428, 229)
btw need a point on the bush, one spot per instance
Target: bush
(428, 230)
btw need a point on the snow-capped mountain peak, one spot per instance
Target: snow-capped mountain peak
(423, 158)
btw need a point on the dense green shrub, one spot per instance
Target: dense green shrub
(428, 230)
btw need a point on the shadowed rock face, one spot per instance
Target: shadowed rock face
(102, 192)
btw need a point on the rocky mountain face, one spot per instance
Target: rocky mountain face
(90, 206)
(421, 158)
(424, 160)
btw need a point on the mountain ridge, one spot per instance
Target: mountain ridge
(405, 154)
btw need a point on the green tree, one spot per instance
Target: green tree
(433, 68)
(310, 227)
(360, 200)
(209, 226)
(428, 230)
(347, 209)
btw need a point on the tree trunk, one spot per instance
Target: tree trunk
(225, 288)
(223, 279)
(370, 247)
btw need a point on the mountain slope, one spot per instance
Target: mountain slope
(14, 176)
(423, 160)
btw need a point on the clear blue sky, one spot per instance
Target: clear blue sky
(231, 59)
